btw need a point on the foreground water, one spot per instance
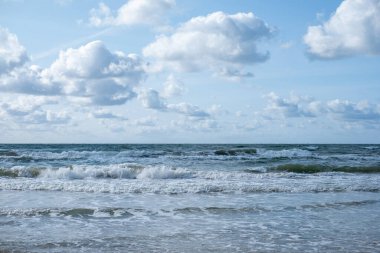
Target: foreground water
(190, 198)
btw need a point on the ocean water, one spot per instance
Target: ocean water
(189, 198)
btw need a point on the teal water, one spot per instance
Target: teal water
(189, 198)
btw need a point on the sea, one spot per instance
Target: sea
(189, 198)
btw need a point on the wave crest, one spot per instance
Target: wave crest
(121, 171)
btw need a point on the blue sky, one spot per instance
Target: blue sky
(174, 71)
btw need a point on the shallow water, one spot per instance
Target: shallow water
(189, 198)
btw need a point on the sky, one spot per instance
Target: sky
(200, 71)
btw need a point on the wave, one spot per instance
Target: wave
(72, 212)
(317, 168)
(285, 153)
(7, 153)
(96, 155)
(235, 152)
(206, 183)
(122, 212)
(20, 172)
(117, 171)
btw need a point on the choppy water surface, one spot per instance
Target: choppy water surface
(190, 198)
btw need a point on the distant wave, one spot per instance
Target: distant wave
(8, 153)
(121, 212)
(317, 168)
(234, 152)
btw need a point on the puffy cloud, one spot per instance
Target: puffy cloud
(132, 12)
(12, 53)
(29, 80)
(173, 87)
(295, 106)
(47, 117)
(28, 109)
(151, 99)
(24, 105)
(90, 71)
(188, 110)
(93, 71)
(353, 29)
(351, 111)
(218, 41)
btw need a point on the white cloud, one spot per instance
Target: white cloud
(194, 125)
(29, 109)
(350, 111)
(12, 53)
(352, 30)
(151, 99)
(233, 74)
(173, 87)
(132, 12)
(46, 117)
(188, 110)
(340, 110)
(24, 105)
(145, 122)
(90, 71)
(218, 41)
(29, 80)
(295, 106)
(217, 110)
(105, 114)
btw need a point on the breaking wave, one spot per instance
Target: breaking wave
(118, 171)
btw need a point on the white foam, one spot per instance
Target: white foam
(221, 183)
(287, 153)
(125, 171)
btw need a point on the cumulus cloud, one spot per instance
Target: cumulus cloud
(352, 30)
(149, 12)
(295, 106)
(218, 41)
(12, 53)
(151, 99)
(90, 71)
(47, 117)
(29, 109)
(24, 105)
(351, 111)
(173, 87)
(298, 106)
(29, 80)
